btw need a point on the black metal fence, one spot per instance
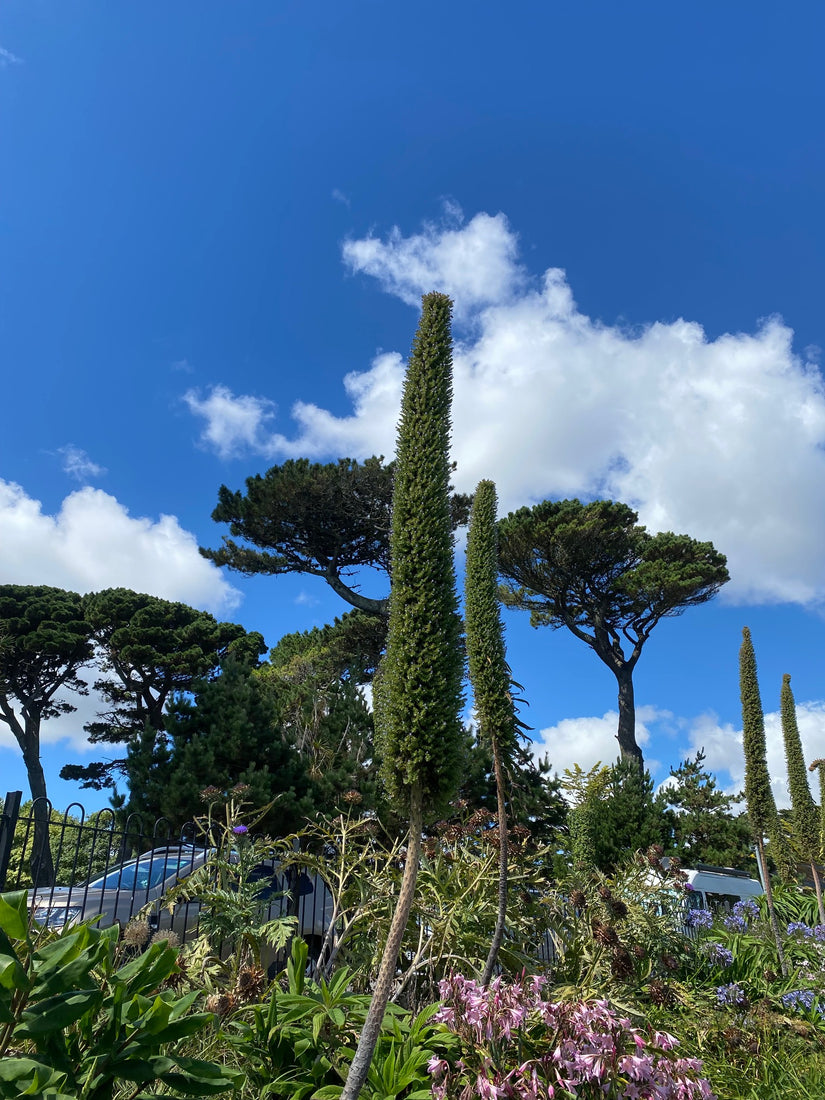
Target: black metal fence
(114, 868)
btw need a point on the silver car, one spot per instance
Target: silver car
(125, 890)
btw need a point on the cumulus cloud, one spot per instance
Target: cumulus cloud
(586, 741)
(723, 439)
(77, 464)
(234, 425)
(68, 728)
(590, 740)
(723, 746)
(474, 263)
(93, 543)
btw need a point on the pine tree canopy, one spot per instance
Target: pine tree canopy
(706, 828)
(325, 520)
(44, 640)
(593, 569)
(224, 731)
(149, 648)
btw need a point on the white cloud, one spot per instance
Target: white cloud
(77, 464)
(723, 746)
(339, 196)
(234, 425)
(8, 58)
(68, 728)
(474, 263)
(93, 543)
(722, 439)
(588, 741)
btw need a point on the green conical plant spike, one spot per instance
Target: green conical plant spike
(418, 694)
(819, 766)
(803, 807)
(758, 793)
(490, 675)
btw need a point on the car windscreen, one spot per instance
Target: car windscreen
(144, 874)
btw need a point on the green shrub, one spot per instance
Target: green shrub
(77, 1021)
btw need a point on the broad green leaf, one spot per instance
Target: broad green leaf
(57, 1013)
(12, 974)
(14, 915)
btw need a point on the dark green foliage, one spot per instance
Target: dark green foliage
(706, 828)
(805, 812)
(419, 693)
(44, 641)
(224, 733)
(486, 654)
(490, 676)
(350, 648)
(762, 815)
(593, 569)
(314, 677)
(628, 817)
(758, 792)
(535, 797)
(78, 1018)
(149, 649)
(324, 520)
(819, 766)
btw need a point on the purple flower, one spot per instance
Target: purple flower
(239, 830)
(719, 955)
(800, 1000)
(699, 918)
(732, 994)
(800, 927)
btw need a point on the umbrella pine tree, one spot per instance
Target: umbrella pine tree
(418, 690)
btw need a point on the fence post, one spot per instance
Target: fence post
(8, 822)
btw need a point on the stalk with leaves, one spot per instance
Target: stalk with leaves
(803, 808)
(418, 690)
(762, 814)
(490, 676)
(819, 766)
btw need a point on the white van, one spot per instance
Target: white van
(719, 888)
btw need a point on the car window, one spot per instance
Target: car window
(142, 875)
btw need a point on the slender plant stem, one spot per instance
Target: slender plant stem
(360, 1065)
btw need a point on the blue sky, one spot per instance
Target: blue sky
(213, 214)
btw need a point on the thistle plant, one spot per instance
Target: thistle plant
(236, 901)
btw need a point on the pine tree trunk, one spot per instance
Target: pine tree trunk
(498, 934)
(626, 735)
(766, 878)
(360, 1065)
(40, 863)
